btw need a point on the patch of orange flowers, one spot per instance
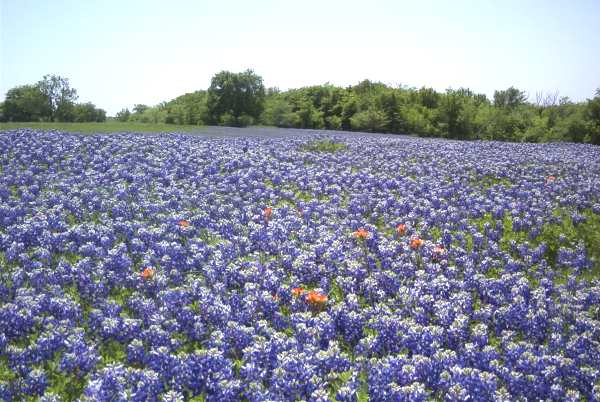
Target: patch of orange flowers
(361, 234)
(297, 292)
(183, 223)
(415, 243)
(267, 212)
(147, 273)
(401, 229)
(316, 299)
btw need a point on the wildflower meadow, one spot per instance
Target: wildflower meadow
(321, 267)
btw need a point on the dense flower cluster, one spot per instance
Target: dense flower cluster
(167, 267)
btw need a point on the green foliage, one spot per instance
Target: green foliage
(324, 146)
(371, 120)
(588, 232)
(235, 99)
(26, 103)
(60, 95)
(509, 98)
(278, 112)
(51, 99)
(83, 112)
(592, 117)
(240, 99)
(112, 352)
(187, 109)
(123, 115)
(456, 114)
(146, 114)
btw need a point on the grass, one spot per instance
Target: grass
(106, 127)
(488, 181)
(587, 232)
(324, 146)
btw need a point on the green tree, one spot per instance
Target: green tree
(458, 114)
(509, 98)
(60, 95)
(391, 108)
(349, 109)
(428, 97)
(27, 103)
(139, 109)
(189, 108)
(372, 120)
(240, 96)
(592, 115)
(278, 112)
(123, 115)
(87, 112)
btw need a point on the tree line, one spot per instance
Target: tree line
(50, 99)
(241, 99)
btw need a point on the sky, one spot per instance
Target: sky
(119, 53)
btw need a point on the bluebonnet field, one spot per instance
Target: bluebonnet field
(176, 267)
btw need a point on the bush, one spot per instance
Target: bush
(370, 120)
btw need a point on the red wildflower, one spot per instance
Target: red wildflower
(147, 273)
(401, 229)
(415, 243)
(297, 292)
(361, 234)
(267, 212)
(438, 252)
(316, 299)
(183, 223)
(550, 179)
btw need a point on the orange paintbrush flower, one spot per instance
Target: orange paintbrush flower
(438, 252)
(361, 234)
(147, 273)
(401, 229)
(267, 212)
(316, 299)
(296, 292)
(183, 223)
(415, 243)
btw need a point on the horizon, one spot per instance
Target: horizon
(150, 52)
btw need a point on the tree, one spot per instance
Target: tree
(428, 97)
(372, 120)
(123, 115)
(278, 112)
(592, 114)
(240, 96)
(349, 109)
(26, 103)
(60, 95)
(189, 108)
(391, 108)
(87, 112)
(509, 98)
(140, 109)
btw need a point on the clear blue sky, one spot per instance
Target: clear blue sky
(118, 53)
